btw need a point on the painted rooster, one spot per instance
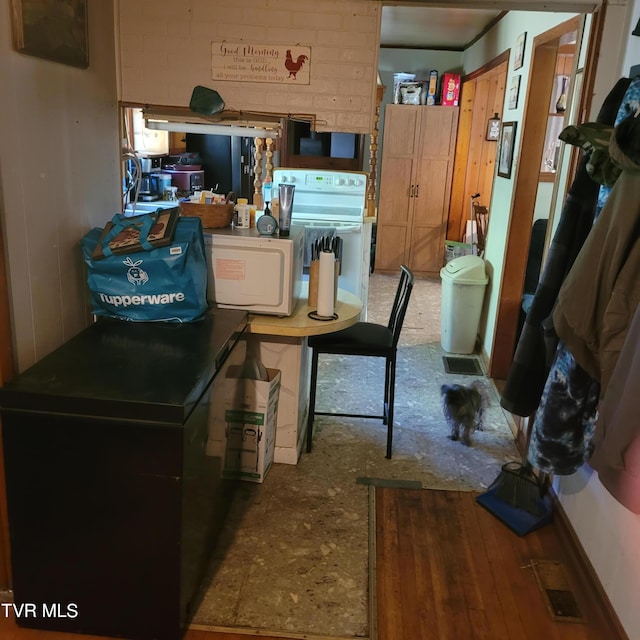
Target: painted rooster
(293, 66)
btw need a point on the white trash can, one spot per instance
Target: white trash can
(464, 281)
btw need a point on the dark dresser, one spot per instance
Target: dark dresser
(114, 505)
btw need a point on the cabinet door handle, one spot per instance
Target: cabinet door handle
(411, 192)
(417, 189)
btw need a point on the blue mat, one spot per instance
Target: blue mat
(518, 520)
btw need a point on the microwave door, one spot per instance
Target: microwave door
(247, 276)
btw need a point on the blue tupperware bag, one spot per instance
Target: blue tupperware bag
(163, 284)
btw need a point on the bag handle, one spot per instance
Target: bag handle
(143, 223)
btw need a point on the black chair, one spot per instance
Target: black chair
(365, 339)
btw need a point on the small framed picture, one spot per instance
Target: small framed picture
(514, 90)
(505, 154)
(493, 128)
(520, 43)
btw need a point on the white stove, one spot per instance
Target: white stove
(325, 195)
(327, 201)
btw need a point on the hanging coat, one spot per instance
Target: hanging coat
(537, 343)
(616, 455)
(599, 296)
(564, 422)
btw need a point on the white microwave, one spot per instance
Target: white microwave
(261, 274)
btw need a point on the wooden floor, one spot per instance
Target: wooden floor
(448, 570)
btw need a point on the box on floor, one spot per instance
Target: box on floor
(250, 417)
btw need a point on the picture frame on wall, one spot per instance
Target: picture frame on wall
(514, 91)
(493, 128)
(54, 30)
(519, 57)
(505, 152)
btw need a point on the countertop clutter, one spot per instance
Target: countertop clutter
(114, 505)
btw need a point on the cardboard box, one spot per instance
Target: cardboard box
(432, 88)
(450, 90)
(251, 412)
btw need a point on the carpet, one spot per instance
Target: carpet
(295, 556)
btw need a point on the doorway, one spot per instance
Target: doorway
(539, 118)
(482, 98)
(498, 340)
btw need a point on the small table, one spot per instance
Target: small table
(282, 344)
(299, 324)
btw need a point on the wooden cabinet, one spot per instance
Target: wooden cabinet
(415, 187)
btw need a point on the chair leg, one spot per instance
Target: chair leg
(391, 365)
(312, 398)
(385, 403)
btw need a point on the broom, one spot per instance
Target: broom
(518, 496)
(518, 486)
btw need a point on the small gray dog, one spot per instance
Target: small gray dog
(463, 407)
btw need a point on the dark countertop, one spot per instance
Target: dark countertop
(148, 371)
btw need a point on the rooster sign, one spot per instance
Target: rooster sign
(260, 62)
(293, 66)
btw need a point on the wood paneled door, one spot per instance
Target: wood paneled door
(482, 97)
(415, 187)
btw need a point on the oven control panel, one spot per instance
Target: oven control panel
(353, 182)
(326, 196)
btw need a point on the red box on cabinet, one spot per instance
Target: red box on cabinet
(450, 90)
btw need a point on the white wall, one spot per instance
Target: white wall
(59, 171)
(165, 51)
(543, 200)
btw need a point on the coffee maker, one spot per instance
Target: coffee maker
(149, 183)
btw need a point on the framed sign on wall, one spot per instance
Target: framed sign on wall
(514, 92)
(519, 57)
(55, 30)
(251, 62)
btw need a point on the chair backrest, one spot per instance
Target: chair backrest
(403, 293)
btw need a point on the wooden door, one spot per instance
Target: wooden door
(394, 214)
(396, 186)
(482, 97)
(432, 190)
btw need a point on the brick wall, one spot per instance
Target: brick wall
(164, 49)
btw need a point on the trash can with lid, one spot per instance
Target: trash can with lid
(464, 281)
